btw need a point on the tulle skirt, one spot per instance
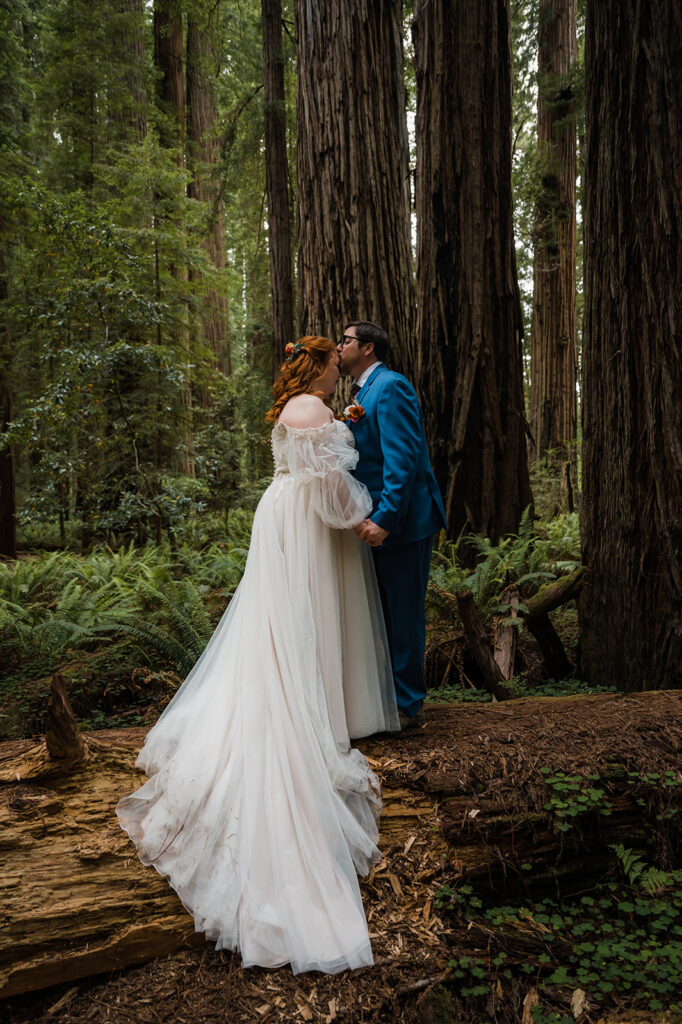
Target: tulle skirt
(257, 810)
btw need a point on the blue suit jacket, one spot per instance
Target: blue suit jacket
(394, 461)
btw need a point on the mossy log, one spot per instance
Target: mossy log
(77, 902)
(536, 614)
(556, 593)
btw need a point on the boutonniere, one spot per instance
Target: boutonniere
(353, 413)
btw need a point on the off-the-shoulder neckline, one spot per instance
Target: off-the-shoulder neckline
(322, 426)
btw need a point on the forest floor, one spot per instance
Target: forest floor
(459, 796)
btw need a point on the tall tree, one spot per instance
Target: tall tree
(631, 612)
(8, 528)
(130, 110)
(352, 168)
(553, 330)
(277, 174)
(171, 97)
(168, 58)
(12, 130)
(469, 322)
(204, 154)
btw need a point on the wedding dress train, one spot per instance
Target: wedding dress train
(257, 810)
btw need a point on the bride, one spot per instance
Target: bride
(257, 811)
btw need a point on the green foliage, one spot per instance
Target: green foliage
(146, 606)
(525, 164)
(573, 795)
(455, 694)
(537, 553)
(109, 280)
(518, 687)
(651, 879)
(180, 642)
(617, 942)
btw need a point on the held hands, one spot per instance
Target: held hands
(371, 533)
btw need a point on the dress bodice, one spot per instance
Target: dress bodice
(292, 445)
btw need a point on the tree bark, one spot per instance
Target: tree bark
(171, 99)
(129, 40)
(553, 329)
(204, 155)
(556, 660)
(631, 605)
(168, 58)
(277, 177)
(354, 259)
(505, 638)
(8, 509)
(469, 324)
(479, 645)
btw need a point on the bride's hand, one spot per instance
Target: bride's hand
(371, 533)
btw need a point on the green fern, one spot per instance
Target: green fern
(182, 632)
(651, 880)
(54, 604)
(538, 552)
(632, 863)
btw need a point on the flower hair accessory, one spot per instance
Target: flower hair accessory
(293, 349)
(353, 413)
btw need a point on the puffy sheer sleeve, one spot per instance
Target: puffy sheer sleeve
(323, 457)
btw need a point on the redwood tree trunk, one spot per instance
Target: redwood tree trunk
(354, 258)
(277, 174)
(553, 331)
(168, 58)
(8, 520)
(204, 154)
(469, 323)
(631, 609)
(129, 41)
(171, 98)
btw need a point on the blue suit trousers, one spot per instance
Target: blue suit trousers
(403, 573)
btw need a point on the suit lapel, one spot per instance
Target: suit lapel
(368, 383)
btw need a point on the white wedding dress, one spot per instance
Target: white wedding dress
(257, 810)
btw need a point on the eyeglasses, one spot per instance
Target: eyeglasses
(346, 340)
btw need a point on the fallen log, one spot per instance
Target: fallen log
(536, 615)
(492, 845)
(77, 902)
(497, 667)
(555, 593)
(76, 899)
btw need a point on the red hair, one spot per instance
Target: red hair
(298, 373)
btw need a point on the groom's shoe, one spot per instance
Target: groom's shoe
(417, 721)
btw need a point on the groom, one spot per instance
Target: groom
(406, 503)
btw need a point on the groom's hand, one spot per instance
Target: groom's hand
(371, 533)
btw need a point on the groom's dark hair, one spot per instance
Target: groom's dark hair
(366, 331)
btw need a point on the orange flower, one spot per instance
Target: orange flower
(353, 413)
